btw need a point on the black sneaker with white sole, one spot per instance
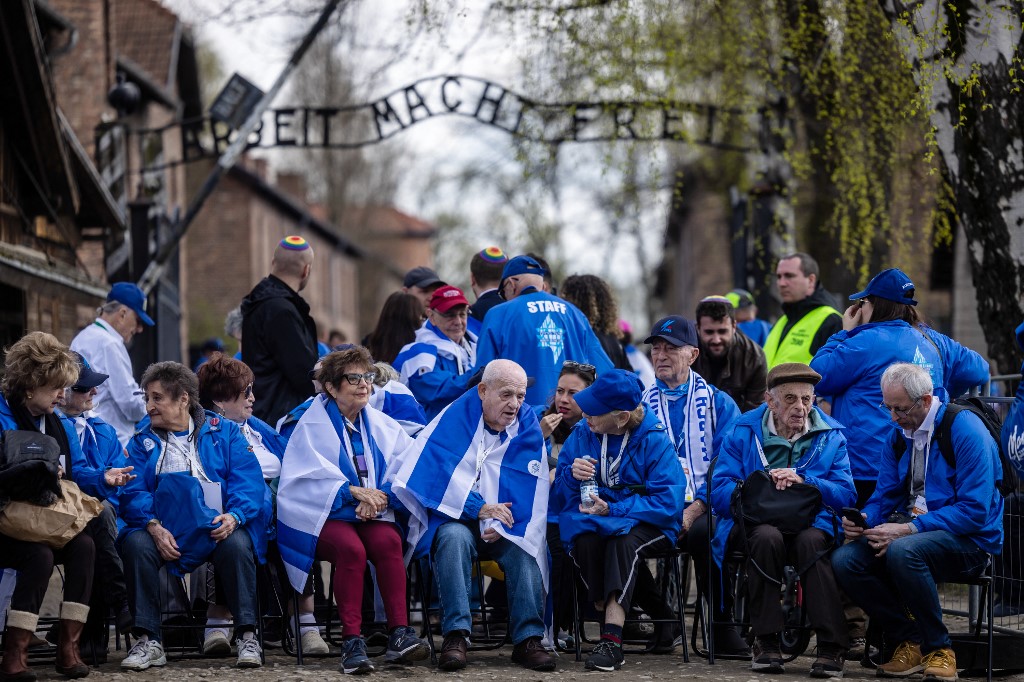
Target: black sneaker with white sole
(606, 656)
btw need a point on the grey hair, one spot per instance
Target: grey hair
(110, 307)
(503, 371)
(233, 322)
(913, 378)
(176, 379)
(385, 373)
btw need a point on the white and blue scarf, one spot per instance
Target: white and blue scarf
(693, 448)
(313, 470)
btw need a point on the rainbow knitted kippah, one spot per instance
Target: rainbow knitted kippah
(493, 254)
(294, 243)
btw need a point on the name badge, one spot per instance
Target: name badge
(920, 507)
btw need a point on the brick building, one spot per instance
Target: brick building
(51, 197)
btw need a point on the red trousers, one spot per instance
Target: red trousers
(349, 545)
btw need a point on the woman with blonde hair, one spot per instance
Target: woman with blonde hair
(37, 369)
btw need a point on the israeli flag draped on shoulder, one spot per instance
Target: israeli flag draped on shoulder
(312, 473)
(421, 355)
(396, 401)
(438, 472)
(693, 448)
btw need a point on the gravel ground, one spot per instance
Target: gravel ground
(490, 665)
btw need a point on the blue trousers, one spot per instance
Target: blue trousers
(904, 579)
(455, 548)
(234, 563)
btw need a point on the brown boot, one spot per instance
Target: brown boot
(15, 663)
(69, 660)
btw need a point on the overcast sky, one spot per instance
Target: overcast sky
(259, 50)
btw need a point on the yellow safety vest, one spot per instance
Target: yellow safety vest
(796, 347)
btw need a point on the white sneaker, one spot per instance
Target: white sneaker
(313, 643)
(216, 644)
(249, 653)
(143, 655)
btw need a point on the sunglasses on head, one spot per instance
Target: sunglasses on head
(579, 367)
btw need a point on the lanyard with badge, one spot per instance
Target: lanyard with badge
(211, 489)
(488, 444)
(919, 505)
(358, 461)
(611, 469)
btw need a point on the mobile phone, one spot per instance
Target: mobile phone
(853, 515)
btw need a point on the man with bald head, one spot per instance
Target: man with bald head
(475, 482)
(280, 335)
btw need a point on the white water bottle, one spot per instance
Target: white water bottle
(587, 488)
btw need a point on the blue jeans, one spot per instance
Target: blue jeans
(233, 562)
(906, 576)
(455, 548)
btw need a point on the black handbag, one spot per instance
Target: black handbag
(757, 501)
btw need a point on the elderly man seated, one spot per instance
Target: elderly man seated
(475, 482)
(933, 518)
(795, 443)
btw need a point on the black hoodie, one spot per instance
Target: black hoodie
(279, 345)
(796, 310)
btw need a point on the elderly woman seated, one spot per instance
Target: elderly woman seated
(335, 504)
(225, 387)
(198, 482)
(635, 509)
(37, 369)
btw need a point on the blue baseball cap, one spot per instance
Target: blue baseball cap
(130, 295)
(520, 265)
(892, 285)
(616, 389)
(675, 329)
(87, 377)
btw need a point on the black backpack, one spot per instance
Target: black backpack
(944, 435)
(28, 467)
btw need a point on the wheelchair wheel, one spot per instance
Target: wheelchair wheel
(794, 640)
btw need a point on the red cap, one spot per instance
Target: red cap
(447, 297)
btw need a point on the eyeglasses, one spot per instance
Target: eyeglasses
(80, 389)
(579, 367)
(354, 378)
(247, 391)
(897, 411)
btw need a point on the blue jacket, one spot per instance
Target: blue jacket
(88, 476)
(227, 459)
(1013, 430)
(824, 465)
(851, 364)
(649, 460)
(756, 330)
(105, 452)
(540, 332)
(435, 382)
(963, 500)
